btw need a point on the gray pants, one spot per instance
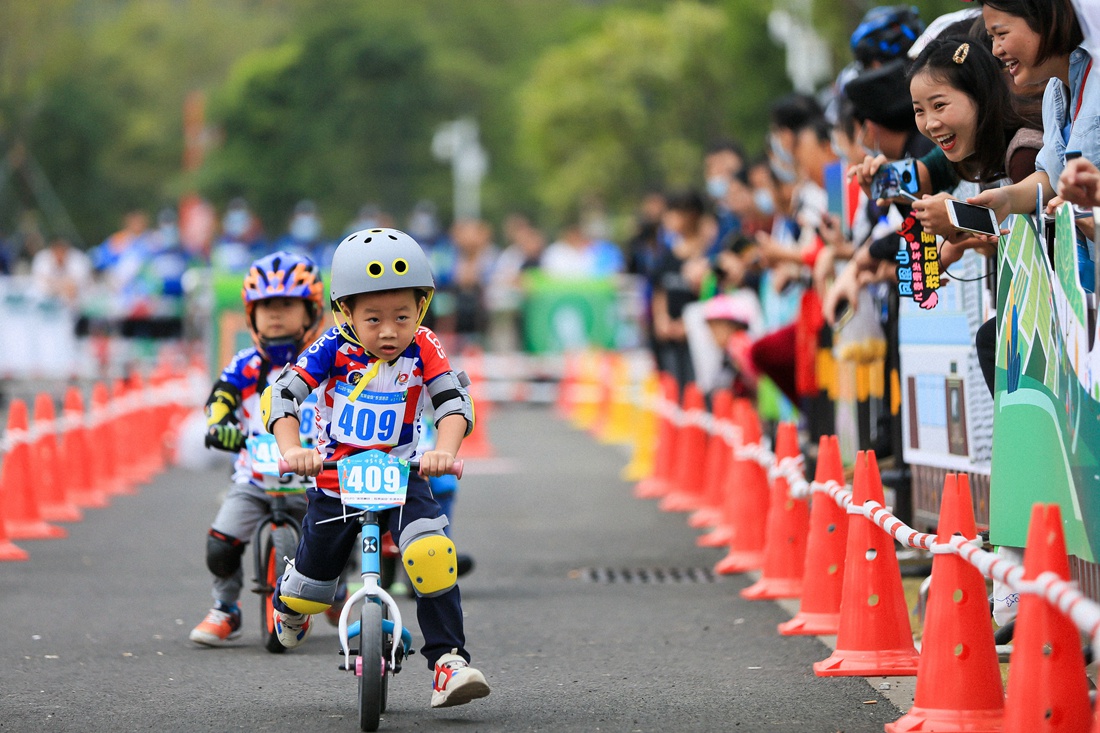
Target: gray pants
(241, 512)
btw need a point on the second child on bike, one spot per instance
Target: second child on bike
(283, 301)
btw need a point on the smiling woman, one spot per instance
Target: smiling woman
(962, 103)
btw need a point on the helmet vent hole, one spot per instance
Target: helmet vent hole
(392, 237)
(366, 240)
(375, 269)
(400, 266)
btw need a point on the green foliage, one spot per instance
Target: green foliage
(335, 115)
(633, 105)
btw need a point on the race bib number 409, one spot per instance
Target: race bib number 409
(374, 418)
(373, 480)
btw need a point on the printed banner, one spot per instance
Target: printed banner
(1046, 425)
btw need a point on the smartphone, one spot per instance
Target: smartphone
(894, 179)
(844, 313)
(1071, 154)
(971, 218)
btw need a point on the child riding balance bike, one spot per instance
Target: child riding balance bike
(375, 372)
(283, 301)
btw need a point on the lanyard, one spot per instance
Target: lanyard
(1081, 92)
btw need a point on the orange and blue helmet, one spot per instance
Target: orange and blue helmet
(283, 275)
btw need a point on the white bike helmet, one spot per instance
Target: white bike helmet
(374, 260)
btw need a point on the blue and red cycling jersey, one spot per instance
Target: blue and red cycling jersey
(383, 414)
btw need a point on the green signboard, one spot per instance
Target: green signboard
(1046, 426)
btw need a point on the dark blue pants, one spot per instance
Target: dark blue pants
(324, 550)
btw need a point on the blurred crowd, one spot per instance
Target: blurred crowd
(748, 275)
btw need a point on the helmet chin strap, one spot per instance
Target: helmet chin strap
(348, 332)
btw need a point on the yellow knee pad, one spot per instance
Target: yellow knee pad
(432, 564)
(301, 605)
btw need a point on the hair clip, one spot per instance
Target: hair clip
(960, 53)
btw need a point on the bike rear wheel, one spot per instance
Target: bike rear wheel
(281, 542)
(372, 692)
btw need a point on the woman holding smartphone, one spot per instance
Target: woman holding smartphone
(1039, 41)
(959, 99)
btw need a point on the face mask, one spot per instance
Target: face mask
(764, 202)
(780, 152)
(717, 186)
(305, 228)
(782, 172)
(235, 223)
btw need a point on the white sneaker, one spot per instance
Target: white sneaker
(456, 682)
(291, 628)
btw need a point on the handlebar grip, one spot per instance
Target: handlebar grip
(455, 470)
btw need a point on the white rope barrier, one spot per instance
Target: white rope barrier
(1062, 594)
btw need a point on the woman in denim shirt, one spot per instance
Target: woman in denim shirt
(1039, 42)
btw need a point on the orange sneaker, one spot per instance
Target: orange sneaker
(218, 627)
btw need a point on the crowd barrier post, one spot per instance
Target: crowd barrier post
(709, 513)
(874, 637)
(691, 448)
(959, 687)
(747, 498)
(787, 530)
(826, 544)
(54, 499)
(22, 519)
(658, 483)
(1047, 690)
(76, 460)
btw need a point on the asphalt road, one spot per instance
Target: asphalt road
(94, 627)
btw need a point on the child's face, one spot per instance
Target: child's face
(281, 317)
(945, 115)
(721, 331)
(386, 322)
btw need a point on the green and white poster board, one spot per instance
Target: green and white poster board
(1046, 424)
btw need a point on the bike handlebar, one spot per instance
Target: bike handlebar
(455, 469)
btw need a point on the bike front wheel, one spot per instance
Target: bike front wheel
(372, 676)
(281, 543)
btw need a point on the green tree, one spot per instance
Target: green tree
(634, 104)
(335, 114)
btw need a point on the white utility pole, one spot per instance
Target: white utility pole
(457, 141)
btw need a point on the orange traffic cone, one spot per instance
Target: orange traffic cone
(101, 440)
(823, 577)
(1047, 688)
(76, 459)
(621, 418)
(563, 403)
(874, 637)
(53, 494)
(730, 478)
(714, 465)
(747, 498)
(643, 433)
(22, 519)
(788, 527)
(120, 448)
(8, 550)
(959, 686)
(659, 483)
(691, 449)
